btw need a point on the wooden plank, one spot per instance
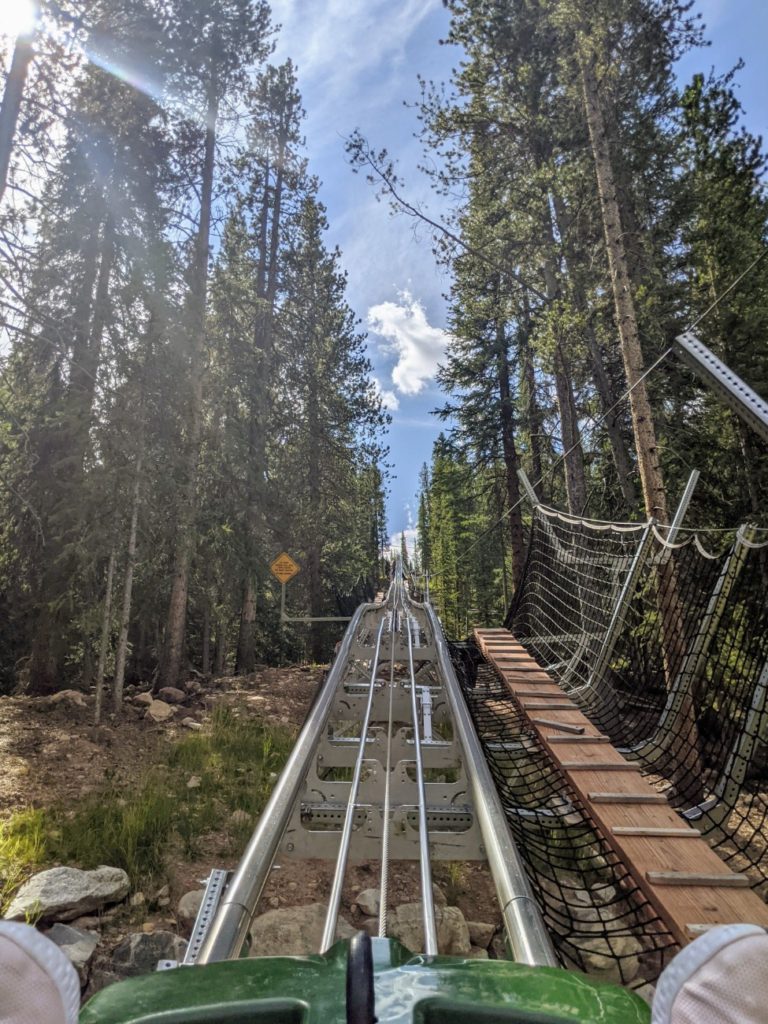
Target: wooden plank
(628, 798)
(531, 705)
(594, 766)
(637, 821)
(729, 880)
(640, 830)
(565, 726)
(554, 695)
(578, 739)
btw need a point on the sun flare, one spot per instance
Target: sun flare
(17, 17)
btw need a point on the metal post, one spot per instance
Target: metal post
(527, 486)
(732, 779)
(619, 612)
(682, 508)
(695, 659)
(526, 931)
(229, 929)
(745, 402)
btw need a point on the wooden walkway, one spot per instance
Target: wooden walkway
(690, 887)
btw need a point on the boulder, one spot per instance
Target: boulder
(480, 933)
(159, 711)
(143, 699)
(139, 952)
(190, 723)
(293, 931)
(71, 697)
(477, 953)
(188, 906)
(172, 695)
(368, 901)
(599, 957)
(62, 894)
(439, 896)
(240, 817)
(78, 945)
(405, 924)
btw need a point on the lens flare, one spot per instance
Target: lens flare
(18, 17)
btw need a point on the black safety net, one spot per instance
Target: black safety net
(664, 645)
(599, 920)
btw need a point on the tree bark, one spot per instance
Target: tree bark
(11, 104)
(511, 459)
(535, 420)
(174, 648)
(575, 482)
(651, 477)
(603, 385)
(130, 563)
(206, 654)
(106, 623)
(573, 455)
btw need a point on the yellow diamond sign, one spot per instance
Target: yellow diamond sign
(284, 568)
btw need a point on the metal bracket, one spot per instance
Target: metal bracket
(728, 386)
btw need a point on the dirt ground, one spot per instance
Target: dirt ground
(55, 755)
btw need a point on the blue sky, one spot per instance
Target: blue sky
(357, 64)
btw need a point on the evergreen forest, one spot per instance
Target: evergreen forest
(600, 208)
(185, 390)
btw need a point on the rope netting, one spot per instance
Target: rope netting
(599, 920)
(665, 648)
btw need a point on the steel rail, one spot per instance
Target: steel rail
(334, 901)
(526, 932)
(427, 896)
(229, 929)
(385, 825)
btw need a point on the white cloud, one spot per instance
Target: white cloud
(388, 398)
(411, 536)
(419, 346)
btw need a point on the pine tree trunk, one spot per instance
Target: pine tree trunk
(106, 623)
(648, 456)
(607, 396)
(533, 412)
(174, 649)
(246, 646)
(314, 580)
(206, 655)
(511, 460)
(688, 774)
(605, 390)
(575, 482)
(221, 648)
(11, 105)
(573, 455)
(130, 563)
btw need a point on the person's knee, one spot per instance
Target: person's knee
(721, 978)
(37, 982)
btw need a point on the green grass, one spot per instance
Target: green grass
(136, 828)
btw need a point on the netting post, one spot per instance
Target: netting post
(729, 786)
(695, 660)
(682, 508)
(616, 624)
(527, 486)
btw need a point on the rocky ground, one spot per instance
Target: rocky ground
(52, 754)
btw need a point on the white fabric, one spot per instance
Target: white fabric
(38, 984)
(721, 978)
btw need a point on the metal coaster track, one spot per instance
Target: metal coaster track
(394, 676)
